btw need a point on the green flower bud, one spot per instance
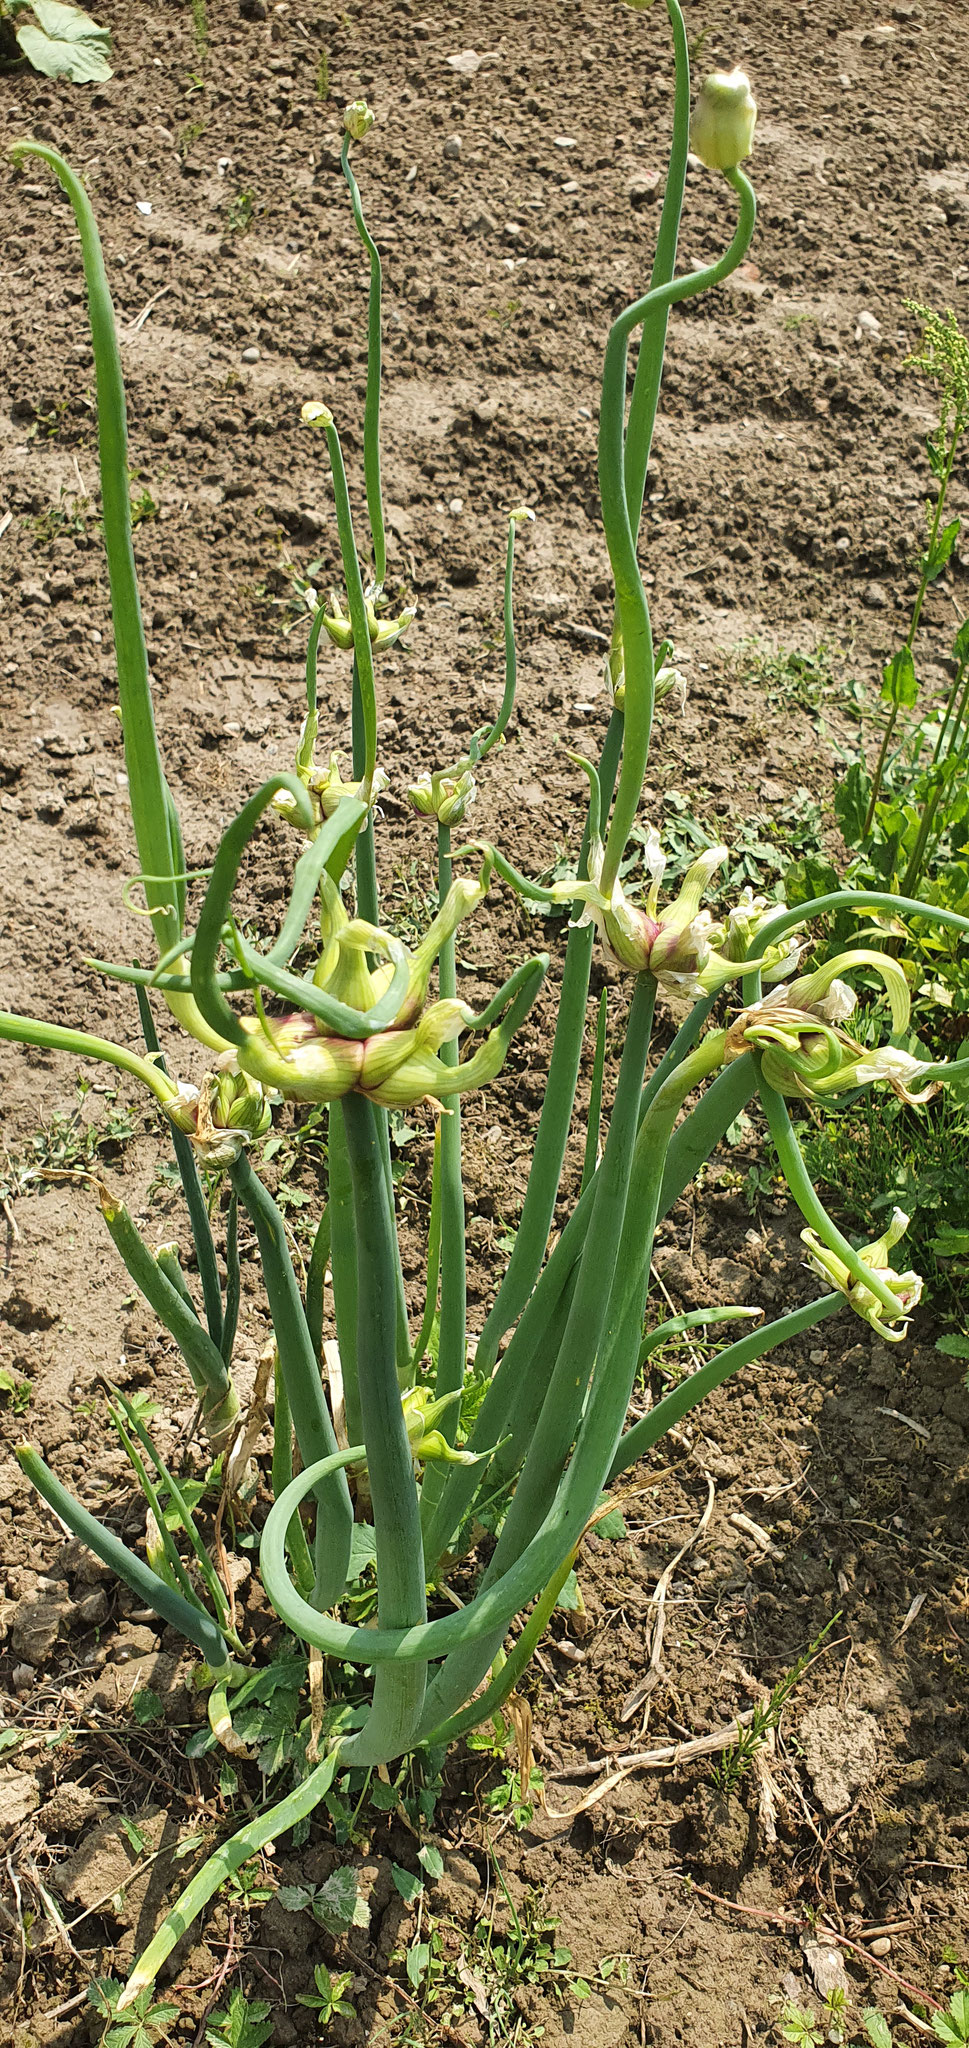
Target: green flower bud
(237, 1103)
(384, 633)
(907, 1287)
(315, 414)
(448, 797)
(300, 1062)
(358, 120)
(722, 133)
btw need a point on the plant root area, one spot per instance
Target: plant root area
(513, 183)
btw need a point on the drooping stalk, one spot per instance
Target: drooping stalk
(682, 1398)
(191, 1621)
(206, 1365)
(218, 1868)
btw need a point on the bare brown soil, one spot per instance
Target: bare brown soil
(516, 210)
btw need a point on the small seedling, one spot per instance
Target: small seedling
(329, 1999)
(144, 2023)
(246, 2023)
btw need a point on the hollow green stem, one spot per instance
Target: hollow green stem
(206, 1365)
(301, 1373)
(149, 796)
(398, 1693)
(57, 1038)
(371, 411)
(191, 1621)
(634, 621)
(649, 364)
(218, 1868)
(195, 1202)
(591, 1159)
(694, 1389)
(282, 1472)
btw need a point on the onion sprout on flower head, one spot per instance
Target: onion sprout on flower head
(360, 1031)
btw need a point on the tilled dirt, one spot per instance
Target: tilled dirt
(514, 193)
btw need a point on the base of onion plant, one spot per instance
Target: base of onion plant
(569, 1329)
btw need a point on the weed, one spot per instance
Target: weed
(912, 1159)
(69, 1144)
(505, 313)
(241, 212)
(246, 2023)
(188, 134)
(789, 676)
(15, 1389)
(511, 1799)
(143, 507)
(736, 1761)
(329, 2000)
(142, 2025)
(65, 520)
(200, 28)
(482, 1971)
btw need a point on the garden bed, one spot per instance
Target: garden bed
(514, 198)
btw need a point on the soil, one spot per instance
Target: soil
(514, 193)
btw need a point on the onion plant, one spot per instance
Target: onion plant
(571, 1323)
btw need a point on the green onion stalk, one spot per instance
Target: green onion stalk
(520, 1424)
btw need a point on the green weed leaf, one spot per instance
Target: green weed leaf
(63, 42)
(899, 685)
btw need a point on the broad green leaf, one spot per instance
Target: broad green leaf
(363, 1549)
(418, 1958)
(293, 1897)
(432, 1860)
(953, 1346)
(899, 685)
(63, 42)
(408, 1884)
(935, 558)
(338, 1904)
(851, 804)
(876, 2027)
(570, 1599)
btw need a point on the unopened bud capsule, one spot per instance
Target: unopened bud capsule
(358, 120)
(722, 133)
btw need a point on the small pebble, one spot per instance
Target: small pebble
(452, 147)
(881, 1946)
(565, 142)
(250, 355)
(571, 185)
